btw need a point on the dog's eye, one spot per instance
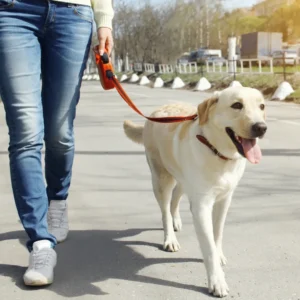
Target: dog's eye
(262, 106)
(237, 105)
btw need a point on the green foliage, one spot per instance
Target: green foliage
(160, 34)
(286, 20)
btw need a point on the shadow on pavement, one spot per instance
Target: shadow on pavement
(266, 152)
(94, 256)
(281, 152)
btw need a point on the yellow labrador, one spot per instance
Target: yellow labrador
(204, 159)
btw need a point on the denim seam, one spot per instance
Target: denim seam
(85, 62)
(81, 16)
(10, 5)
(47, 17)
(16, 190)
(12, 134)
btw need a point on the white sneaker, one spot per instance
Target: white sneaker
(57, 218)
(42, 261)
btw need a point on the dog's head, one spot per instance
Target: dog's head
(240, 113)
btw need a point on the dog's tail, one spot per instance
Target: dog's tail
(133, 131)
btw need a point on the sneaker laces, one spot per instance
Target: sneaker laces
(41, 259)
(55, 215)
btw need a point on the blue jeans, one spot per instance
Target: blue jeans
(44, 46)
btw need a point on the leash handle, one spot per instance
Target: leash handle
(105, 69)
(109, 81)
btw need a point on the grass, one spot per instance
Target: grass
(294, 97)
(266, 83)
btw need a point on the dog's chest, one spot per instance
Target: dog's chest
(227, 182)
(229, 177)
(213, 178)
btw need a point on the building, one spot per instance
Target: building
(267, 7)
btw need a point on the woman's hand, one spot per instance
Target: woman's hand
(105, 40)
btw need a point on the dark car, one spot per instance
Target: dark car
(184, 59)
(217, 61)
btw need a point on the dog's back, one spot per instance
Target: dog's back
(139, 133)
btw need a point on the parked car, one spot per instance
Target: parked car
(201, 55)
(290, 57)
(217, 61)
(184, 59)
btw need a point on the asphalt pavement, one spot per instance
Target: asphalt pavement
(114, 246)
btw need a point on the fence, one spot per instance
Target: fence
(253, 66)
(138, 67)
(149, 68)
(188, 68)
(165, 69)
(213, 67)
(258, 63)
(234, 67)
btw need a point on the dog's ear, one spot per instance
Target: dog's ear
(204, 109)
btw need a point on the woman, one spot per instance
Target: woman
(48, 40)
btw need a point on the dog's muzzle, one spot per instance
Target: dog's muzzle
(259, 129)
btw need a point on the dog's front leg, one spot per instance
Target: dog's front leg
(220, 210)
(202, 216)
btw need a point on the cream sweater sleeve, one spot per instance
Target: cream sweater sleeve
(103, 12)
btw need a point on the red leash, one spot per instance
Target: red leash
(109, 81)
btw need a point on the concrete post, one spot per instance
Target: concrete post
(126, 63)
(232, 54)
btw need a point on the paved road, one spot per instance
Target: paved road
(114, 246)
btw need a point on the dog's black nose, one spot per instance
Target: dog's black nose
(259, 129)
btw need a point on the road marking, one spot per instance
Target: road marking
(140, 95)
(290, 122)
(284, 121)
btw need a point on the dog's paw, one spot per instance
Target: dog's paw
(218, 286)
(177, 224)
(171, 245)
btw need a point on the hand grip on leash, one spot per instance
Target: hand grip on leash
(105, 69)
(109, 81)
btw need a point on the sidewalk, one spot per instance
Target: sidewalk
(114, 247)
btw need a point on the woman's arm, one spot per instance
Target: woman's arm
(103, 13)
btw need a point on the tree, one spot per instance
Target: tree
(163, 33)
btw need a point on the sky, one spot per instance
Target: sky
(238, 3)
(229, 4)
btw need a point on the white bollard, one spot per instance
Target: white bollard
(202, 85)
(284, 90)
(134, 78)
(144, 80)
(178, 83)
(235, 83)
(123, 78)
(159, 83)
(95, 77)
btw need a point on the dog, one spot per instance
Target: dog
(204, 159)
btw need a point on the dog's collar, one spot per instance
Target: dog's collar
(204, 141)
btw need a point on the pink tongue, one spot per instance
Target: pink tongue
(252, 150)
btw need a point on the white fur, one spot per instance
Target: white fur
(180, 164)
